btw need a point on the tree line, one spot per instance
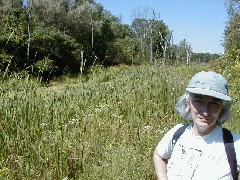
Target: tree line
(229, 63)
(48, 38)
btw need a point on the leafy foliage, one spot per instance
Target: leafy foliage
(232, 32)
(229, 65)
(13, 38)
(45, 43)
(151, 34)
(62, 50)
(62, 36)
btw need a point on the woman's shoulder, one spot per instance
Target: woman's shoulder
(236, 137)
(172, 130)
(178, 126)
(236, 140)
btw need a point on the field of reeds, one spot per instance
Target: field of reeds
(101, 126)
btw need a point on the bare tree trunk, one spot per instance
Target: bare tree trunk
(164, 46)
(151, 50)
(165, 52)
(188, 57)
(83, 61)
(29, 34)
(177, 57)
(151, 28)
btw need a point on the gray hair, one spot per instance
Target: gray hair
(184, 111)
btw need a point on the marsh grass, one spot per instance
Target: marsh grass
(102, 127)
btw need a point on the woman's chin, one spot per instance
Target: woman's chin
(204, 127)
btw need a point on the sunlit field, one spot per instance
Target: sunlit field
(103, 126)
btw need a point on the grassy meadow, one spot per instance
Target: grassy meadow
(101, 126)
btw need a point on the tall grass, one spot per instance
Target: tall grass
(105, 127)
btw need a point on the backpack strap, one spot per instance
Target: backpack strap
(178, 133)
(230, 151)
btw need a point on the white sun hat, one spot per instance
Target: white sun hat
(209, 83)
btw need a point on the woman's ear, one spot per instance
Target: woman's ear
(187, 110)
(221, 113)
(188, 101)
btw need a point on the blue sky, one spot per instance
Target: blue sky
(201, 22)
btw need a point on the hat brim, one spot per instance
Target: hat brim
(208, 92)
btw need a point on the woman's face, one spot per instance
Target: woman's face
(205, 111)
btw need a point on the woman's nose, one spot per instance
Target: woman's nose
(205, 109)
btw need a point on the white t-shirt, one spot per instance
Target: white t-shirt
(196, 157)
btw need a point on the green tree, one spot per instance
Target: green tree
(185, 51)
(54, 53)
(232, 7)
(152, 34)
(105, 41)
(50, 12)
(125, 46)
(232, 30)
(139, 27)
(204, 57)
(12, 4)
(13, 37)
(229, 63)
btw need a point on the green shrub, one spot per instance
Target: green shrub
(229, 66)
(63, 51)
(13, 38)
(44, 69)
(18, 52)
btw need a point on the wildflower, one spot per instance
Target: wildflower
(146, 128)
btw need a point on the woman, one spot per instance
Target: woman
(199, 153)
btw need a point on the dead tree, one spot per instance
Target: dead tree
(164, 42)
(28, 30)
(188, 57)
